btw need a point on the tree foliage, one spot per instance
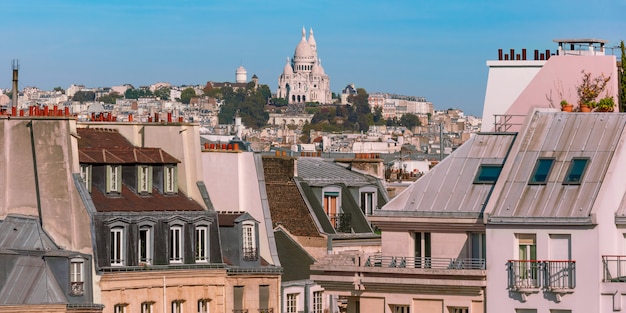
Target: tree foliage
(110, 98)
(409, 120)
(248, 103)
(163, 93)
(59, 89)
(137, 93)
(187, 94)
(83, 96)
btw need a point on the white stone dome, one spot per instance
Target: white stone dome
(288, 70)
(241, 75)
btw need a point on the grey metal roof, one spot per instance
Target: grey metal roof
(320, 172)
(31, 282)
(560, 136)
(449, 187)
(24, 233)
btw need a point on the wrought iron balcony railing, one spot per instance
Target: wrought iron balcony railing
(250, 254)
(425, 262)
(268, 310)
(535, 274)
(341, 222)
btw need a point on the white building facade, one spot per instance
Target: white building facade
(303, 79)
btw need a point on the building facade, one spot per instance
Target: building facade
(303, 79)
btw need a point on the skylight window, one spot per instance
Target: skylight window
(541, 171)
(488, 174)
(576, 171)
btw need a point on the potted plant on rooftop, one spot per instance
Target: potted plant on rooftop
(606, 104)
(589, 89)
(566, 106)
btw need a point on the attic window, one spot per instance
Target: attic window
(576, 170)
(541, 171)
(488, 174)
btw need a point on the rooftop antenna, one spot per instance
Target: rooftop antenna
(15, 64)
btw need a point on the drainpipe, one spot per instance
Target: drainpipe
(307, 289)
(37, 195)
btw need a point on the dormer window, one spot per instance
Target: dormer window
(169, 179)
(249, 242)
(77, 276)
(117, 246)
(114, 179)
(85, 174)
(144, 179)
(202, 243)
(176, 244)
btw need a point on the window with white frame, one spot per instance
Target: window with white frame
(317, 301)
(85, 174)
(202, 243)
(117, 246)
(368, 200)
(169, 179)
(146, 307)
(77, 279)
(292, 303)
(144, 177)
(145, 245)
(203, 306)
(120, 308)
(114, 179)
(176, 244)
(177, 306)
(331, 200)
(249, 242)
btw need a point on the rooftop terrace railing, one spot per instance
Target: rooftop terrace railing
(614, 268)
(425, 262)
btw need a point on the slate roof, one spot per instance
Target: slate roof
(107, 146)
(320, 172)
(131, 201)
(448, 189)
(24, 233)
(31, 279)
(561, 136)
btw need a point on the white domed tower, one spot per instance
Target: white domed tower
(241, 75)
(303, 79)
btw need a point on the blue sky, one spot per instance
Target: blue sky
(433, 49)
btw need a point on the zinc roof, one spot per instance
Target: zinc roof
(449, 188)
(319, 172)
(24, 233)
(560, 136)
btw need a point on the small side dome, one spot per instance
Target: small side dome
(288, 70)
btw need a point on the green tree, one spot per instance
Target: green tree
(59, 89)
(265, 91)
(187, 94)
(83, 96)
(409, 120)
(137, 93)
(110, 98)
(622, 79)
(163, 93)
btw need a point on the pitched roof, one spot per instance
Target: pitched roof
(449, 189)
(32, 282)
(130, 201)
(559, 136)
(24, 233)
(320, 172)
(107, 146)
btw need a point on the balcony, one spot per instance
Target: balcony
(358, 271)
(614, 268)
(425, 262)
(77, 288)
(268, 310)
(250, 254)
(341, 222)
(529, 276)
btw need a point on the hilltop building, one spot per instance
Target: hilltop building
(303, 79)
